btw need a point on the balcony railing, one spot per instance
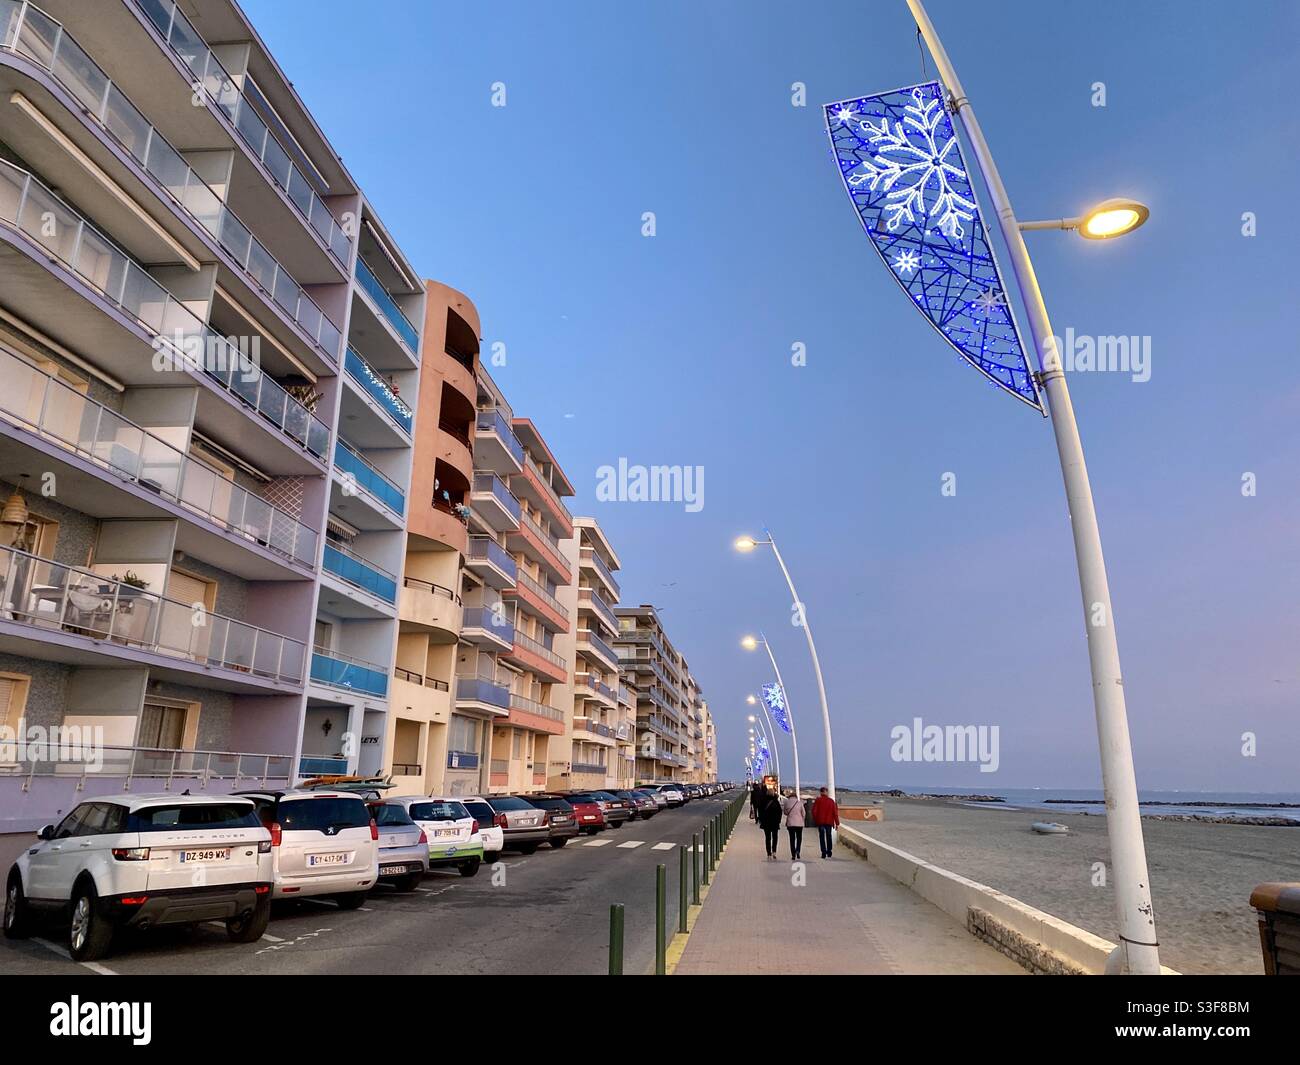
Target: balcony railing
(374, 385)
(55, 597)
(29, 31)
(548, 489)
(419, 678)
(386, 303)
(590, 638)
(485, 549)
(541, 650)
(491, 484)
(156, 767)
(598, 564)
(359, 572)
(532, 706)
(493, 421)
(336, 670)
(482, 690)
(29, 206)
(462, 759)
(369, 479)
(498, 624)
(429, 586)
(590, 767)
(588, 597)
(206, 69)
(64, 415)
(522, 580)
(314, 765)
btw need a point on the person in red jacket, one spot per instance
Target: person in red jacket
(826, 816)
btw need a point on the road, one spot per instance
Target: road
(546, 913)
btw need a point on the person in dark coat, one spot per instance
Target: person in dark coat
(769, 817)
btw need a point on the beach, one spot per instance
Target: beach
(1202, 873)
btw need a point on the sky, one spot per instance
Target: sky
(676, 348)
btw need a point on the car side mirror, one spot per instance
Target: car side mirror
(46, 833)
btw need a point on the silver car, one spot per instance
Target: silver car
(403, 846)
(524, 826)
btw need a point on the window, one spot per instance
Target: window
(162, 726)
(439, 811)
(463, 734)
(13, 700)
(324, 635)
(321, 814)
(68, 826)
(389, 813)
(517, 744)
(174, 816)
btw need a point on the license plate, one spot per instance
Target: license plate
(589, 817)
(327, 859)
(443, 833)
(527, 822)
(219, 854)
(391, 870)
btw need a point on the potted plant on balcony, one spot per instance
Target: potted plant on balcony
(129, 589)
(305, 394)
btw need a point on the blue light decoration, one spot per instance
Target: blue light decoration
(902, 166)
(774, 699)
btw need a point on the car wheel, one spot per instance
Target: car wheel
(249, 928)
(527, 848)
(18, 918)
(89, 933)
(351, 901)
(469, 868)
(559, 842)
(404, 885)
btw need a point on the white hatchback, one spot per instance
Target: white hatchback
(454, 836)
(322, 843)
(143, 860)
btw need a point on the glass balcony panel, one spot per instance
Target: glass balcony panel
(166, 164)
(261, 266)
(235, 238)
(286, 293)
(38, 36)
(126, 124)
(277, 162)
(296, 421)
(159, 13)
(300, 192)
(144, 298)
(274, 403)
(188, 44)
(80, 74)
(160, 464)
(388, 306)
(308, 315)
(330, 338)
(49, 223)
(252, 129)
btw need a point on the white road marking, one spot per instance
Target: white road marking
(265, 935)
(598, 843)
(632, 844)
(93, 966)
(273, 939)
(663, 846)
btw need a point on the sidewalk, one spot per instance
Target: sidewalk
(847, 918)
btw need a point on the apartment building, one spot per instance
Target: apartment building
(601, 731)
(667, 697)
(205, 334)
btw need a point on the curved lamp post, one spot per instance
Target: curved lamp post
(745, 544)
(767, 739)
(1138, 951)
(776, 754)
(750, 643)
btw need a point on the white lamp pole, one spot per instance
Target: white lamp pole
(770, 733)
(1138, 950)
(789, 713)
(746, 543)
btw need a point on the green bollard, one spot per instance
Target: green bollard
(661, 944)
(705, 856)
(695, 869)
(681, 889)
(616, 939)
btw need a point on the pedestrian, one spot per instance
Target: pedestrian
(794, 822)
(755, 795)
(769, 817)
(826, 816)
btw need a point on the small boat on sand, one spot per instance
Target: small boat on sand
(1050, 828)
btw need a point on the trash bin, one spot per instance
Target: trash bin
(1278, 906)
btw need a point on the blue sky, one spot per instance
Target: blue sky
(676, 349)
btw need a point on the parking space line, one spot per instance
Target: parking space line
(598, 843)
(632, 843)
(93, 966)
(663, 846)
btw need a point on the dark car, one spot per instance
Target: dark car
(524, 827)
(617, 811)
(563, 819)
(586, 812)
(642, 805)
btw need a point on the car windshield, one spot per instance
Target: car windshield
(551, 804)
(510, 802)
(167, 818)
(482, 811)
(323, 813)
(439, 811)
(581, 798)
(389, 813)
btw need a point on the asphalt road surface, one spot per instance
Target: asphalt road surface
(545, 913)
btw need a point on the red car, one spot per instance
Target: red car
(587, 812)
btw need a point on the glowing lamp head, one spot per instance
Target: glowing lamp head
(752, 702)
(749, 643)
(745, 544)
(1113, 218)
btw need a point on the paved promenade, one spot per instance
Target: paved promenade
(847, 918)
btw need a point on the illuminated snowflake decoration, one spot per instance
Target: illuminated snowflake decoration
(774, 700)
(902, 167)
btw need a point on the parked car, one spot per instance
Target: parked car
(617, 811)
(322, 843)
(403, 846)
(454, 835)
(661, 800)
(494, 838)
(144, 860)
(587, 812)
(523, 825)
(640, 803)
(673, 793)
(563, 820)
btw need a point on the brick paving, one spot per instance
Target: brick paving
(847, 917)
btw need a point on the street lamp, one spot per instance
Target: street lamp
(746, 544)
(750, 643)
(776, 753)
(1138, 951)
(1110, 218)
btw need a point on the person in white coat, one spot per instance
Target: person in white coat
(793, 808)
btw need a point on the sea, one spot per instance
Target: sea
(1089, 800)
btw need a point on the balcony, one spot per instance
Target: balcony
(529, 713)
(177, 332)
(427, 607)
(91, 612)
(419, 698)
(587, 597)
(588, 558)
(543, 547)
(494, 502)
(538, 601)
(58, 413)
(488, 627)
(492, 562)
(588, 731)
(381, 489)
(30, 32)
(359, 572)
(336, 670)
(224, 92)
(388, 307)
(483, 693)
(589, 769)
(589, 641)
(314, 765)
(535, 485)
(373, 385)
(534, 655)
(495, 443)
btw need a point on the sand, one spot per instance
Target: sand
(1201, 874)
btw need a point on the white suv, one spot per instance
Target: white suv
(145, 860)
(322, 843)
